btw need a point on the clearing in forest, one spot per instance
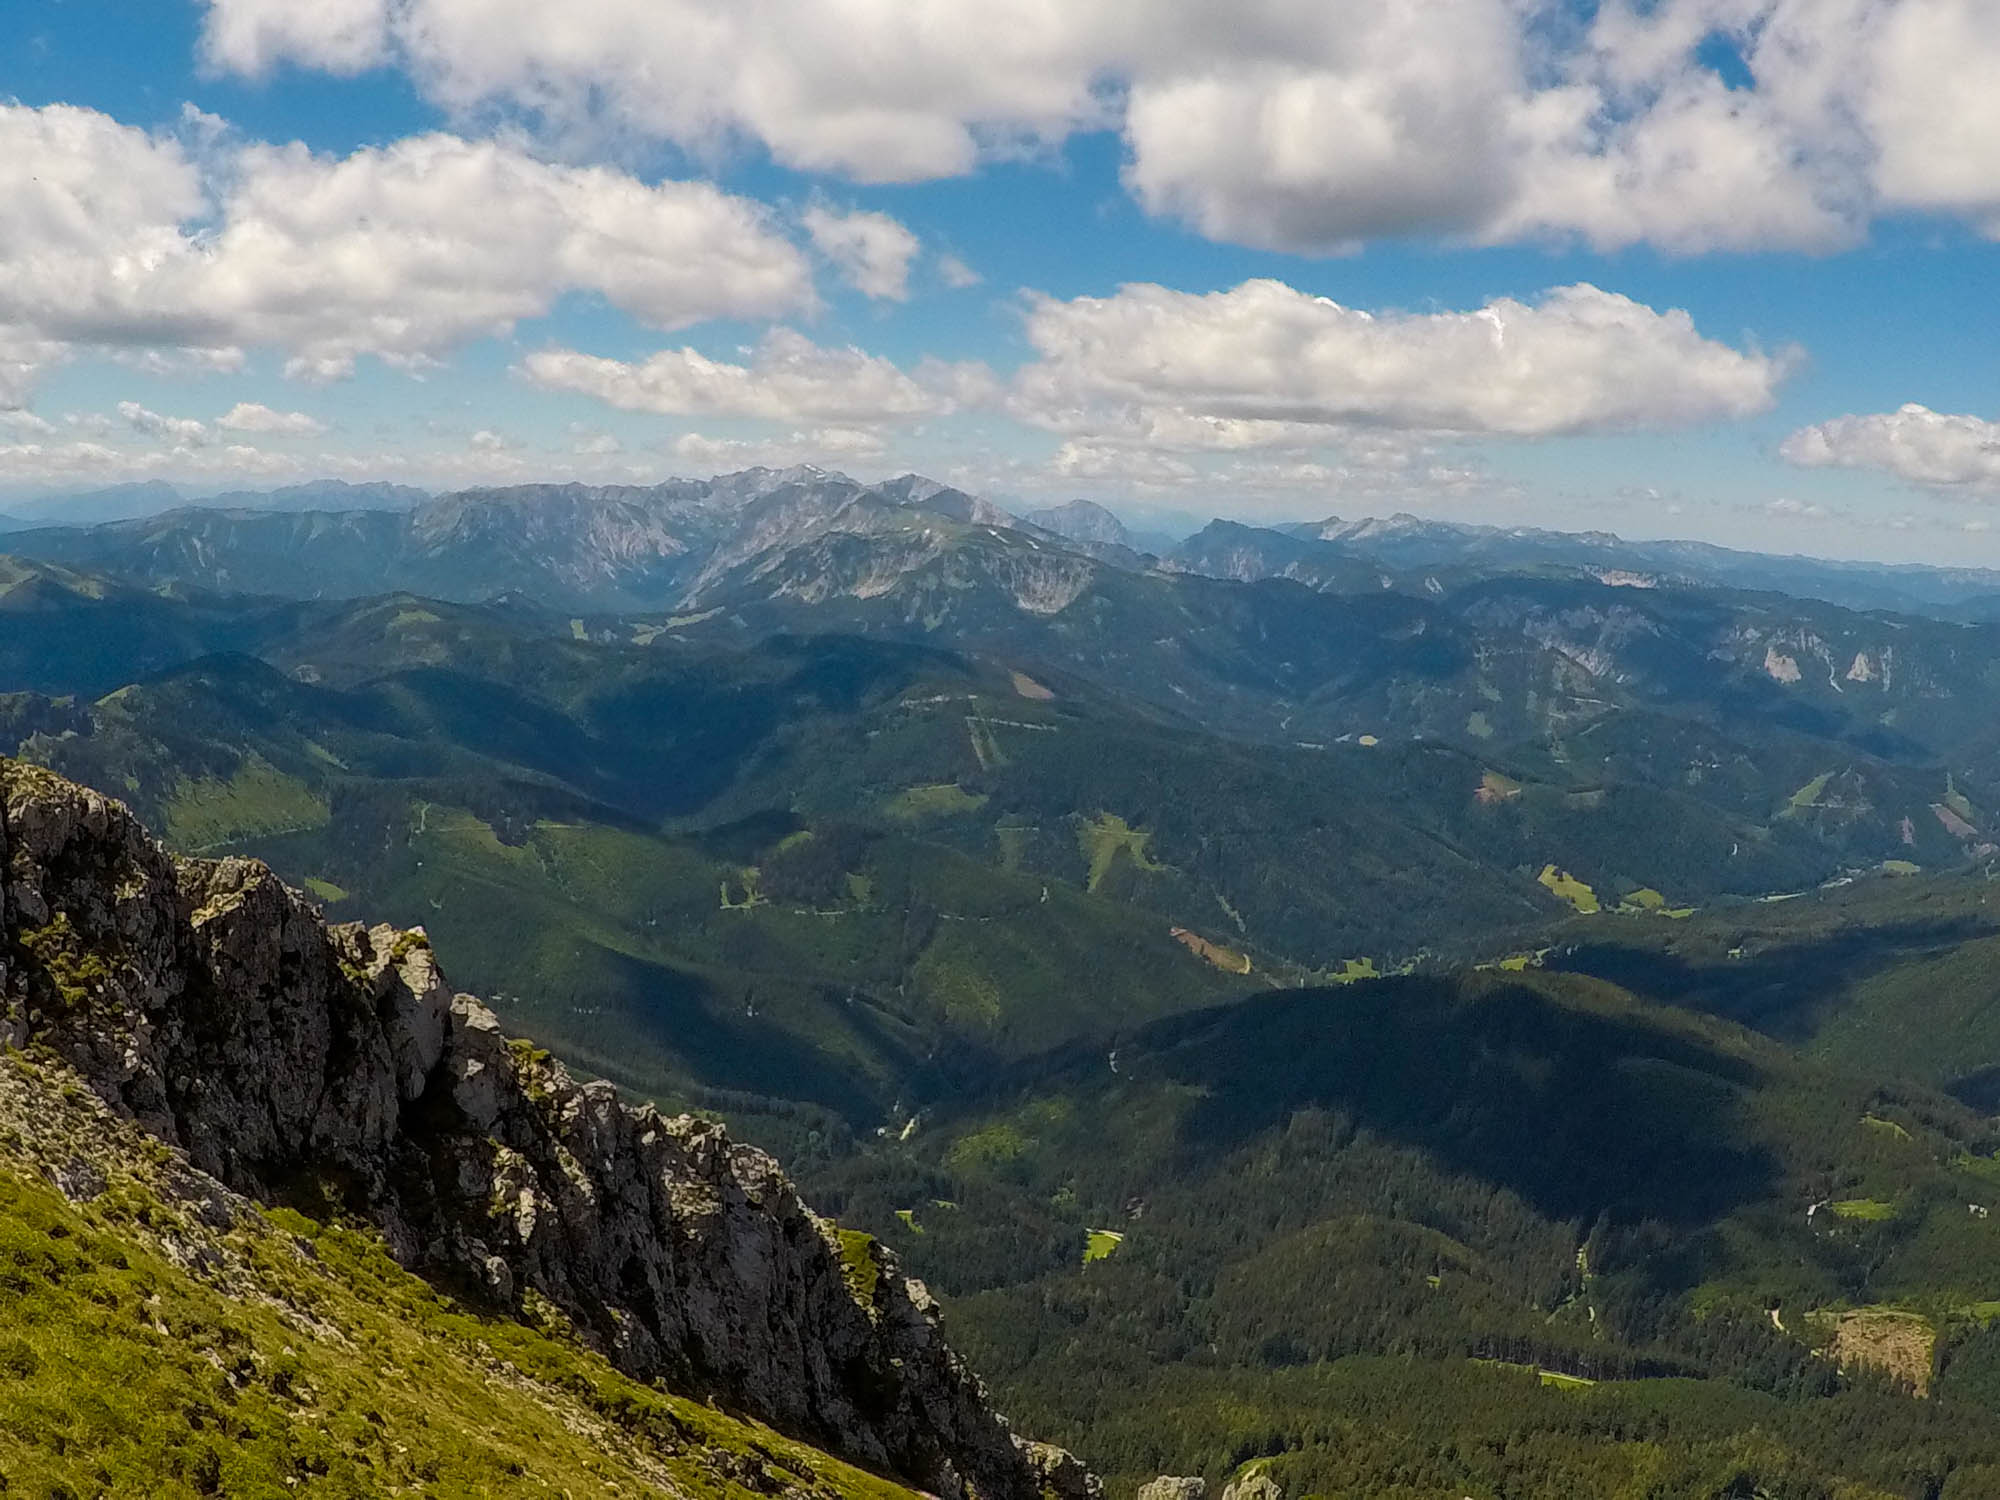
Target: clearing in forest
(1566, 887)
(1101, 1244)
(945, 799)
(259, 801)
(1226, 959)
(751, 879)
(1807, 796)
(985, 748)
(1516, 963)
(1899, 1344)
(1886, 1127)
(1106, 836)
(1952, 823)
(1649, 901)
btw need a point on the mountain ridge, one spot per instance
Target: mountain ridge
(214, 1007)
(136, 501)
(632, 546)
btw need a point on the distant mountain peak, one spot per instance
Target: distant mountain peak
(1081, 521)
(915, 492)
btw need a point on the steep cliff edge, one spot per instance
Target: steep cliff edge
(213, 1007)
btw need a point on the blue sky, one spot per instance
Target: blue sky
(1307, 263)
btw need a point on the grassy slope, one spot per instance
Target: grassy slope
(147, 1352)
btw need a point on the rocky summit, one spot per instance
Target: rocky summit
(280, 1060)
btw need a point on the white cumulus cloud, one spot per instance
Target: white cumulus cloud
(119, 240)
(252, 416)
(1287, 123)
(1913, 442)
(882, 90)
(870, 250)
(956, 274)
(1265, 365)
(339, 36)
(180, 430)
(787, 378)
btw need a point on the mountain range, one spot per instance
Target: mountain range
(652, 546)
(125, 502)
(1351, 1006)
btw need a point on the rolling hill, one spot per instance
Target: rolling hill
(845, 872)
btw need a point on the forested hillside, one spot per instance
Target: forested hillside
(1425, 1028)
(1367, 1231)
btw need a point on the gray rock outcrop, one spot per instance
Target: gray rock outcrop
(1253, 1486)
(213, 1006)
(1174, 1487)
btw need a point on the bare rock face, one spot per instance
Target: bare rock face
(1254, 1486)
(1174, 1487)
(214, 1007)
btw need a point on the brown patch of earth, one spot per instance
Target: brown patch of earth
(1899, 1344)
(1226, 959)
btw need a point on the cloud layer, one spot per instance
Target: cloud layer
(1689, 124)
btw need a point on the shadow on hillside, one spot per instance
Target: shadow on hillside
(1786, 992)
(660, 1029)
(1576, 1111)
(1979, 1090)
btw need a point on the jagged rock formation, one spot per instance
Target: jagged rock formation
(213, 1006)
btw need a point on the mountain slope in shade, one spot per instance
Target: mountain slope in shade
(275, 1057)
(118, 502)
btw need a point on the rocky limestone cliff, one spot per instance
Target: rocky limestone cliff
(213, 1006)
